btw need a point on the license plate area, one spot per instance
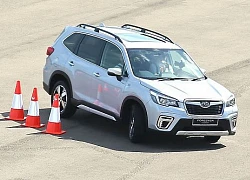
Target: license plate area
(205, 122)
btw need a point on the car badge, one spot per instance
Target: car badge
(205, 104)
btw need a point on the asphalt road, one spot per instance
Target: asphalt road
(215, 33)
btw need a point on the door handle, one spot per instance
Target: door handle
(96, 74)
(71, 63)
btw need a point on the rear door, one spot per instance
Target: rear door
(83, 64)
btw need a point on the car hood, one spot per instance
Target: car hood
(179, 89)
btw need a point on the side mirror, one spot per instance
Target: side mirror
(114, 71)
(203, 71)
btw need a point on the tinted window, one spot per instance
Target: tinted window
(72, 41)
(91, 49)
(112, 57)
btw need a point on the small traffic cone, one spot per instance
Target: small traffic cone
(54, 124)
(33, 117)
(17, 112)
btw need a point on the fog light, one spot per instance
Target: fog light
(234, 120)
(164, 122)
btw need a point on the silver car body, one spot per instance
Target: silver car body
(91, 84)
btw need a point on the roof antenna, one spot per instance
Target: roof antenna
(102, 25)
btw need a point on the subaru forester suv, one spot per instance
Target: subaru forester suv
(138, 76)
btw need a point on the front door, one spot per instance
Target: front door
(109, 88)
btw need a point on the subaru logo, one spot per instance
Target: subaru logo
(205, 104)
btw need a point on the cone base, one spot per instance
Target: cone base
(54, 133)
(33, 126)
(33, 122)
(15, 119)
(16, 115)
(54, 128)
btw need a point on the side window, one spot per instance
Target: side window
(91, 49)
(112, 57)
(72, 41)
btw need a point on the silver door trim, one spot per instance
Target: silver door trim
(96, 112)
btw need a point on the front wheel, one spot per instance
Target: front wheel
(66, 108)
(137, 127)
(211, 139)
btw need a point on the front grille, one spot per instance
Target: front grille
(195, 109)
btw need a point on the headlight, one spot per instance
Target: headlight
(163, 99)
(230, 101)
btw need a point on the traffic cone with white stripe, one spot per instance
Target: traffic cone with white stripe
(33, 117)
(54, 124)
(17, 112)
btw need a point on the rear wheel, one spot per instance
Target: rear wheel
(137, 128)
(211, 139)
(66, 108)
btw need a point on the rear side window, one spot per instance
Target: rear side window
(72, 41)
(91, 49)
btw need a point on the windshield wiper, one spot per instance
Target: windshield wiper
(196, 79)
(171, 79)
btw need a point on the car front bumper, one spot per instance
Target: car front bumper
(180, 123)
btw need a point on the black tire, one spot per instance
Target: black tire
(211, 139)
(137, 127)
(66, 108)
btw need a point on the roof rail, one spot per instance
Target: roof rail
(96, 29)
(148, 32)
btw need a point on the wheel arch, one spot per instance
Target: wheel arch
(57, 76)
(126, 104)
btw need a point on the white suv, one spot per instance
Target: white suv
(137, 76)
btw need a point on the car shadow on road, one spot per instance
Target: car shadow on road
(90, 128)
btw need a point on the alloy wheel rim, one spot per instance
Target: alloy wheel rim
(61, 91)
(131, 129)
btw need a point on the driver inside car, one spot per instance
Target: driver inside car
(160, 67)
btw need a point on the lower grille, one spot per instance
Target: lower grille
(186, 125)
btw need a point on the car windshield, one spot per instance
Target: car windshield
(163, 64)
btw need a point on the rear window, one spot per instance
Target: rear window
(72, 41)
(91, 49)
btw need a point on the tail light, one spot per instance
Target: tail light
(50, 50)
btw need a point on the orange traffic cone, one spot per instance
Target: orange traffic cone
(17, 112)
(54, 124)
(33, 117)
